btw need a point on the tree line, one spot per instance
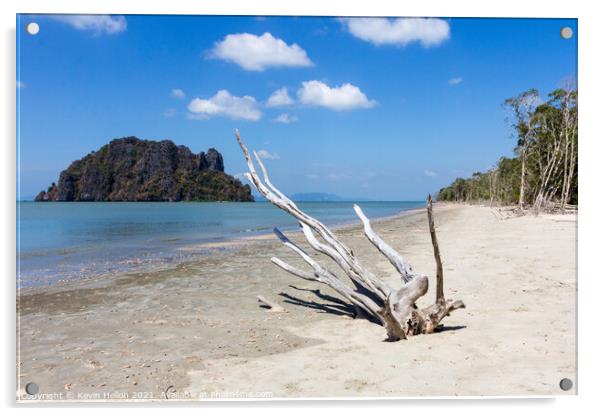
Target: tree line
(543, 172)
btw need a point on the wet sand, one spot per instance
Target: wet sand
(196, 331)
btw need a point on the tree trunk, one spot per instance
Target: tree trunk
(521, 197)
(570, 137)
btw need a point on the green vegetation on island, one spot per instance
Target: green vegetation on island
(130, 169)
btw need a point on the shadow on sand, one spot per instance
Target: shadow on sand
(331, 304)
(339, 307)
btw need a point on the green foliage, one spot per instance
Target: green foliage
(130, 169)
(546, 137)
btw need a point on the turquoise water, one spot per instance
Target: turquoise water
(59, 241)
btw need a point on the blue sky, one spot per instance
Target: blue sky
(380, 109)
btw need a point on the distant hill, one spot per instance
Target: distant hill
(131, 169)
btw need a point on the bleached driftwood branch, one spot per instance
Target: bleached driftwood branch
(429, 210)
(271, 305)
(372, 298)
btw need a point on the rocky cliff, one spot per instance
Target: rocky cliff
(131, 169)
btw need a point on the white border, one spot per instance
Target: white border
(442, 8)
(590, 69)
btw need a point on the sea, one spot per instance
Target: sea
(62, 241)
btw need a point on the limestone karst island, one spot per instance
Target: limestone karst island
(131, 169)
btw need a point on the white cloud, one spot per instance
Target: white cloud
(312, 176)
(178, 93)
(170, 112)
(455, 81)
(99, 24)
(344, 97)
(224, 104)
(285, 118)
(430, 173)
(256, 53)
(279, 98)
(264, 154)
(400, 31)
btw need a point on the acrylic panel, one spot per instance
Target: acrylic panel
(235, 207)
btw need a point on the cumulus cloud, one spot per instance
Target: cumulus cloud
(224, 104)
(99, 24)
(455, 81)
(344, 97)
(256, 53)
(264, 154)
(178, 93)
(400, 31)
(279, 98)
(430, 173)
(285, 118)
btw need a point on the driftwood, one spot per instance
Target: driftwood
(550, 207)
(374, 299)
(429, 210)
(270, 305)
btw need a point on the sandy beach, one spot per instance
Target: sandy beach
(196, 331)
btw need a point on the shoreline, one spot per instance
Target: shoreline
(227, 246)
(197, 328)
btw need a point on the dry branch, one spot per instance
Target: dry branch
(395, 309)
(270, 305)
(439, 291)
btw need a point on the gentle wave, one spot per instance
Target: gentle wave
(65, 241)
